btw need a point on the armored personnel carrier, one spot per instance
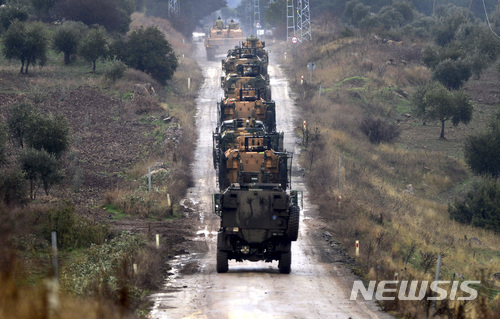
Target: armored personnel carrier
(258, 222)
(221, 38)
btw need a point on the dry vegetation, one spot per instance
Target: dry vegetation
(394, 196)
(116, 135)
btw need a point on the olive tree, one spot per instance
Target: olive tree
(26, 42)
(40, 168)
(148, 50)
(67, 38)
(435, 102)
(19, 121)
(94, 46)
(49, 133)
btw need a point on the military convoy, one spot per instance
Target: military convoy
(259, 213)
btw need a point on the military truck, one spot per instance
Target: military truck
(251, 47)
(249, 104)
(221, 38)
(259, 222)
(233, 85)
(240, 134)
(253, 162)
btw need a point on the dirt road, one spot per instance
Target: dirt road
(316, 288)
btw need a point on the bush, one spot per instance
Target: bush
(481, 206)
(72, 231)
(482, 151)
(13, 188)
(115, 71)
(100, 269)
(379, 131)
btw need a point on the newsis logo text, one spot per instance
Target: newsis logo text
(389, 287)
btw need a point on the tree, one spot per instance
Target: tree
(435, 102)
(482, 151)
(26, 43)
(40, 167)
(452, 74)
(355, 11)
(149, 51)
(67, 37)
(11, 12)
(481, 206)
(94, 46)
(114, 15)
(49, 133)
(19, 121)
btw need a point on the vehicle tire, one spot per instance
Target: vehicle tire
(222, 263)
(285, 262)
(293, 223)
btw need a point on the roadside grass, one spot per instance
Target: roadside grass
(394, 196)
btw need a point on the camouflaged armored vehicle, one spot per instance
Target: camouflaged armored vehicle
(228, 136)
(248, 105)
(221, 38)
(234, 84)
(259, 222)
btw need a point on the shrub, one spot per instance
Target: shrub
(379, 131)
(481, 206)
(72, 231)
(482, 151)
(13, 188)
(115, 71)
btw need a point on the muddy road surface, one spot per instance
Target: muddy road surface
(317, 287)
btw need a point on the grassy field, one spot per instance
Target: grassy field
(394, 196)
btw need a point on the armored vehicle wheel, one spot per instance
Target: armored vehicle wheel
(293, 223)
(222, 264)
(285, 263)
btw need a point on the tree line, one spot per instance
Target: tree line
(145, 49)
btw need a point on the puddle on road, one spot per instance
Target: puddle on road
(204, 234)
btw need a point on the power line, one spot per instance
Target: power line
(488, 20)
